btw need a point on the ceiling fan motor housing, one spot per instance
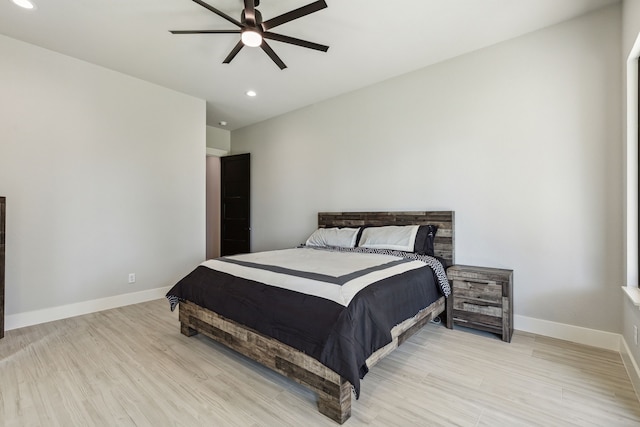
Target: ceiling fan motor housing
(258, 16)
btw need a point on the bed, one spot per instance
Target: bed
(286, 338)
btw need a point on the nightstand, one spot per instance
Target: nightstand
(483, 298)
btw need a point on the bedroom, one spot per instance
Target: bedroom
(525, 139)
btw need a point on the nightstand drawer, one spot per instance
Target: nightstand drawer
(473, 305)
(465, 318)
(481, 291)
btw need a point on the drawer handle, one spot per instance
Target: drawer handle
(479, 282)
(472, 300)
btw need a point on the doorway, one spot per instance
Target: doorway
(213, 207)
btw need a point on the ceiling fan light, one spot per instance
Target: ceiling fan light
(251, 38)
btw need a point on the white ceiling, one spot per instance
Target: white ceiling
(369, 41)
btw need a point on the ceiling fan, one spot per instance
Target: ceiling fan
(254, 30)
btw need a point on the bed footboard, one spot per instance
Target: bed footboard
(334, 392)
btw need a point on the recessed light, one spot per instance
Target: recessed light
(222, 123)
(251, 93)
(26, 4)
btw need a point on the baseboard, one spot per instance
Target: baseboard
(630, 364)
(592, 337)
(586, 336)
(30, 318)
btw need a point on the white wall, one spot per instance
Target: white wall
(218, 138)
(104, 176)
(522, 140)
(630, 33)
(631, 51)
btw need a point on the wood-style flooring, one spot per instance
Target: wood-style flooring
(131, 367)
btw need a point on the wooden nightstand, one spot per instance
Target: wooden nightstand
(483, 298)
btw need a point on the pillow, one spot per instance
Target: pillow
(421, 240)
(424, 240)
(342, 237)
(401, 238)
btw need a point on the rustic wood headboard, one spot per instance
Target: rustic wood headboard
(444, 244)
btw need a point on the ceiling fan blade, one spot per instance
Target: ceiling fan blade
(233, 53)
(217, 12)
(294, 14)
(205, 32)
(250, 12)
(293, 40)
(275, 58)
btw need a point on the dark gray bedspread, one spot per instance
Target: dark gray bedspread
(340, 337)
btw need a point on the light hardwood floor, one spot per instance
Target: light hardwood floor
(131, 366)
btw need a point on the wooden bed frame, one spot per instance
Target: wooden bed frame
(334, 392)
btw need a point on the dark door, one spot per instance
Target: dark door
(234, 189)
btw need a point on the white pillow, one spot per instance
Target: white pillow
(401, 238)
(343, 237)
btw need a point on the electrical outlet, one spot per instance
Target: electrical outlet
(132, 279)
(635, 334)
